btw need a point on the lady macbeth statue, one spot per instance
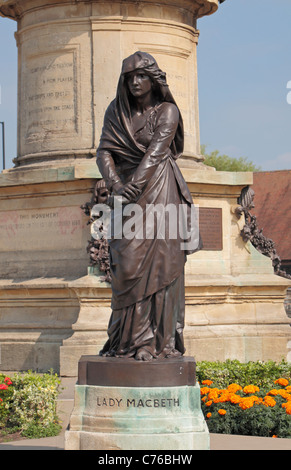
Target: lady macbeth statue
(141, 139)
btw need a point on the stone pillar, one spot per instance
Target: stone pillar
(69, 60)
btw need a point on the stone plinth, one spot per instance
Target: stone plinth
(121, 372)
(69, 61)
(153, 415)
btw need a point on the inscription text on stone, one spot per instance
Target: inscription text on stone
(50, 95)
(138, 403)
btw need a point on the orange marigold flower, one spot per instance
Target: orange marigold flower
(233, 388)
(207, 382)
(208, 403)
(274, 392)
(234, 398)
(274, 435)
(213, 393)
(282, 382)
(269, 401)
(288, 389)
(284, 394)
(287, 407)
(251, 389)
(208, 415)
(224, 398)
(222, 412)
(204, 390)
(246, 403)
(255, 399)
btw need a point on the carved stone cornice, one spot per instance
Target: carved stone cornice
(15, 9)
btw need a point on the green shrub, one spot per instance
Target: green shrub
(29, 404)
(259, 373)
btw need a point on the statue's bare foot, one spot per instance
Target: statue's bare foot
(143, 355)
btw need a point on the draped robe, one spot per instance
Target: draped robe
(148, 305)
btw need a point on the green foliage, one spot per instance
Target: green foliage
(29, 404)
(253, 372)
(226, 163)
(36, 431)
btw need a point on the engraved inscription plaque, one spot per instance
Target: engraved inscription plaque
(50, 95)
(210, 225)
(42, 229)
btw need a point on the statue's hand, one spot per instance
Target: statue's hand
(128, 191)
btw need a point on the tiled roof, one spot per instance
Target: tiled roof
(273, 208)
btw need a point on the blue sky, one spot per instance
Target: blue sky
(244, 66)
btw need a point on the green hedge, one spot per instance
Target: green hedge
(259, 373)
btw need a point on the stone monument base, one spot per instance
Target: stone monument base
(131, 405)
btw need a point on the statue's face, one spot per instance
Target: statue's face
(139, 83)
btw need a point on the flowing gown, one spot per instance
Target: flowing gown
(148, 301)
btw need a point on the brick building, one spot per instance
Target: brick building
(273, 210)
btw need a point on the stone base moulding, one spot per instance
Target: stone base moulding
(137, 418)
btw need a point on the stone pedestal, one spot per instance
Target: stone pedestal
(130, 405)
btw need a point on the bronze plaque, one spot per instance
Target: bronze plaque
(128, 372)
(210, 225)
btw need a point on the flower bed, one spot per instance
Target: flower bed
(28, 405)
(248, 409)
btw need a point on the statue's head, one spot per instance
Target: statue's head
(144, 64)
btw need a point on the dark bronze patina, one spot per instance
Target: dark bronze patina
(113, 372)
(142, 138)
(98, 247)
(210, 225)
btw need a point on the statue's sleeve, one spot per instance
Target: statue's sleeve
(160, 146)
(107, 168)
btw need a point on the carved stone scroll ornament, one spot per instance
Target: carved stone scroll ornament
(98, 248)
(251, 232)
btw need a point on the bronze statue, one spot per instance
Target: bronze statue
(141, 139)
(98, 246)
